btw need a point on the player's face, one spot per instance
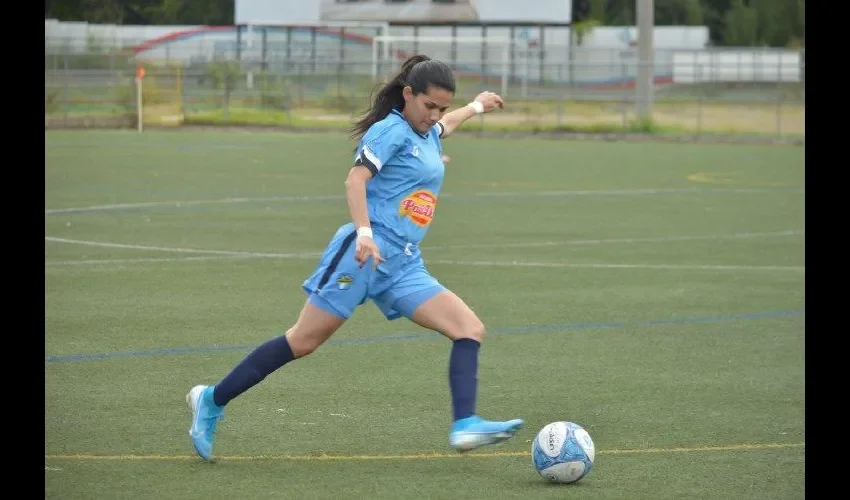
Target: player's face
(425, 109)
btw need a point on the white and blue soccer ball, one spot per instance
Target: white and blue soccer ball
(563, 452)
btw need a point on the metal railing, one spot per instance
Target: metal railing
(699, 92)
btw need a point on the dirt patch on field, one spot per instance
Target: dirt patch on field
(555, 135)
(688, 117)
(88, 121)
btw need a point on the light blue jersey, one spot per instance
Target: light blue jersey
(408, 171)
(401, 197)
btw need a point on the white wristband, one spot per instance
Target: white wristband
(364, 231)
(477, 106)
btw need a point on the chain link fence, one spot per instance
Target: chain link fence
(712, 91)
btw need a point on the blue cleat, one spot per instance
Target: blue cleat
(472, 432)
(205, 417)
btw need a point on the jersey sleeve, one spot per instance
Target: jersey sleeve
(379, 145)
(437, 135)
(438, 129)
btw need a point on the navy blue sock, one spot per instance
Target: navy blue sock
(463, 377)
(254, 368)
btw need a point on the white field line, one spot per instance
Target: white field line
(229, 254)
(656, 239)
(483, 194)
(100, 262)
(178, 204)
(706, 267)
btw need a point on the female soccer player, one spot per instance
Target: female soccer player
(392, 193)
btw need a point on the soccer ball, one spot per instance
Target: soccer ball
(563, 452)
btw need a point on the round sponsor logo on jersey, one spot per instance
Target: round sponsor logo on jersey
(419, 207)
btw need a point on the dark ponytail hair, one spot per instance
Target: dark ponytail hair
(420, 72)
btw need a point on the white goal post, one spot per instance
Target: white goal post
(387, 51)
(253, 29)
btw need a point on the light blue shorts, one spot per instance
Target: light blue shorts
(398, 286)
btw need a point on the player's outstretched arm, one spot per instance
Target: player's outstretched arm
(355, 193)
(484, 102)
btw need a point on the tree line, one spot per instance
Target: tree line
(773, 23)
(142, 12)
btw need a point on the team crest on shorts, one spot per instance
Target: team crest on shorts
(419, 207)
(344, 281)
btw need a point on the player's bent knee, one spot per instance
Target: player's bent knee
(300, 345)
(302, 342)
(313, 328)
(474, 330)
(477, 331)
(448, 314)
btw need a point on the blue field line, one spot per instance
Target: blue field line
(718, 319)
(402, 337)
